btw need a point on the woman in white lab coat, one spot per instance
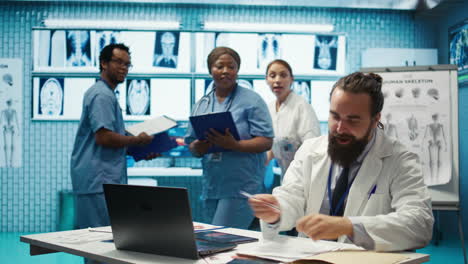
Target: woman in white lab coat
(294, 119)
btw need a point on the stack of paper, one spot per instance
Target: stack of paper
(288, 249)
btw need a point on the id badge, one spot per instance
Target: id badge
(217, 156)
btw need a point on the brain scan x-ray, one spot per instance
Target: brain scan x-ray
(166, 49)
(78, 48)
(138, 97)
(51, 97)
(325, 52)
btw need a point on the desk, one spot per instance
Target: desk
(90, 245)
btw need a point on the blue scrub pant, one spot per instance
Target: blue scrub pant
(91, 211)
(230, 212)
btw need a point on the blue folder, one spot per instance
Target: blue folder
(201, 124)
(161, 143)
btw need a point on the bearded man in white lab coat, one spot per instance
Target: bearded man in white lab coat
(355, 185)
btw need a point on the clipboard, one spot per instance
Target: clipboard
(201, 125)
(161, 143)
(157, 127)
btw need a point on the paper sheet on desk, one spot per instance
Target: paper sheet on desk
(355, 257)
(82, 236)
(288, 249)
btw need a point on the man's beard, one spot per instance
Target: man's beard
(345, 155)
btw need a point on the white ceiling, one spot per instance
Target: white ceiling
(376, 4)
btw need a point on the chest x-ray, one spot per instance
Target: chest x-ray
(268, 49)
(325, 52)
(104, 38)
(166, 49)
(51, 97)
(138, 97)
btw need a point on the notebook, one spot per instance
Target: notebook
(218, 121)
(222, 237)
(155, 220)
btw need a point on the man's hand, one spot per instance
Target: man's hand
(263, 211)
(144, 139)
(319, 226)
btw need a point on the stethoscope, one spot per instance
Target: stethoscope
(207, 100)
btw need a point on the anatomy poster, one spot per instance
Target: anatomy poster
(417, 113)
(11, 112)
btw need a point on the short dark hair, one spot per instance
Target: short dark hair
(282, 62)
(359, 82)
(107, 51)
(220, 51)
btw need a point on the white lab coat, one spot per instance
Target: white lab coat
(294, 122)
(398, 216)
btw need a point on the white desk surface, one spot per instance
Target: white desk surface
(173, 171)
(90, 244)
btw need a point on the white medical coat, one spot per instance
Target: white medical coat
(398, 216)
(294, 122)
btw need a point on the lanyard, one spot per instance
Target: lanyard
(333, 211)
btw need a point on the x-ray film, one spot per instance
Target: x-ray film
(104, 38)
(51, 97)
(166, 49)
(138, 97)
(78, 46)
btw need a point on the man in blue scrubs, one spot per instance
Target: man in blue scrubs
(99, 152)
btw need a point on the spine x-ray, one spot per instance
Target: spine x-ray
(78, 48)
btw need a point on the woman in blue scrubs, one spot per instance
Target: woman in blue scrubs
(241, 168)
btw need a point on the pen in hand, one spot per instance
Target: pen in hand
(250, 196)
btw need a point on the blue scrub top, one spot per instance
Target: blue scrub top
(235, 171)
(92, 164)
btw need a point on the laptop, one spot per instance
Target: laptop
(155, 220)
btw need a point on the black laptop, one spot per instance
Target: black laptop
(155, 220)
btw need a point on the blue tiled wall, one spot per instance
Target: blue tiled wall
(28, 197)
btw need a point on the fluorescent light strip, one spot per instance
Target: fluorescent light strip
(110, 24)
(254, 27)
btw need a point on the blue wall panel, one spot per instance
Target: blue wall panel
(29, 195)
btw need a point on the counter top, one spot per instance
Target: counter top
(156, 171)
